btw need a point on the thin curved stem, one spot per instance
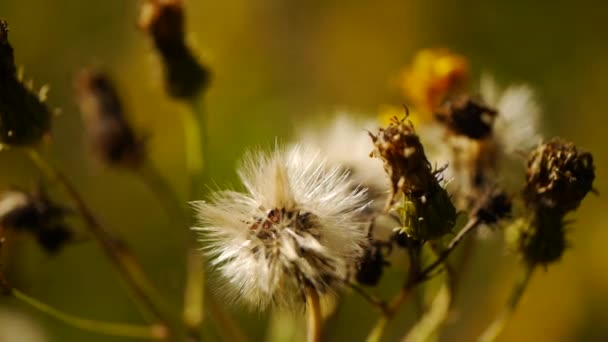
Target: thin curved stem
(315, 318)
(115, 249)
(494, 330)
(156, 332)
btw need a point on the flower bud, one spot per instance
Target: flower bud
(558, 176)
(426, 211)
(467, 116)
(163, 20)
(540, 239)
(36, 214)
(109, 135)
(24, 118)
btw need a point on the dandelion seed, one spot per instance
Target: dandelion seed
(297, 227)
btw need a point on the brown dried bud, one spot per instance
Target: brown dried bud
(36, 214)
(404, 160)
(558, 176)
(467, 116)
(163, 20)
(495, 206)
(109, 135)
(427, 211)
(24, 118)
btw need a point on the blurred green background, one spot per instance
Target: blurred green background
(278, 65)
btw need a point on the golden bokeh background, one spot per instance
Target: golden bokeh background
(278, 66)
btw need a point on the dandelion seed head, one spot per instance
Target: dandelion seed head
(297, 225)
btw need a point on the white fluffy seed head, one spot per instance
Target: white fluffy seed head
(297, 225)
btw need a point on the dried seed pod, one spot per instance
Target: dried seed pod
(558, 177)
(426, 211)
(164, 20)
(467, 116)
(24, 118)
(36, 214)
(109, 134)
(495, 206)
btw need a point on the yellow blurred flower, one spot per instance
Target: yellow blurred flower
(433, 74)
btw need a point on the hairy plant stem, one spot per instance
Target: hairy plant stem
(315, 317)
(115, 249)
(154, 332)
(498, 325)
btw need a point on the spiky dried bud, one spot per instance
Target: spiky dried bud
(164, 20)
(36, 214)
(298, 226)
(24, 118)
(427, 211)
(558, 177)
(467, 116)
(404, 160)
(109, 135)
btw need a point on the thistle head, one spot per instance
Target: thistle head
(558, 177)
(109, 134)
(297, 226)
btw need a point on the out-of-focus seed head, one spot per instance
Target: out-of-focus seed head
(558, 177)
(495, 206)
(109, 135)
(467, 116)
(24, 118)
(433, 75)
(36, 214)
(163, 21)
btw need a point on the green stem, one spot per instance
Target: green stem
(115, 249)
(494, 330)
(157, 332)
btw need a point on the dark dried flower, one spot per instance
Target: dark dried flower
(404, 160)
(495, 206)
(426, 211)
(467, 116)
(164, 20)
(109, 135)
(36, 214)
(24, 118)
(558, 177)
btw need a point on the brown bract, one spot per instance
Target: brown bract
(163, 21)
(467, 116)
(404, 160)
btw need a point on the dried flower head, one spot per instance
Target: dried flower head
(111, 138)
(164, 20)
(425, 209)
(24, 118)
(36, 214)
(298, 226)
(467, 116)
(434, 74)
(559, 176)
